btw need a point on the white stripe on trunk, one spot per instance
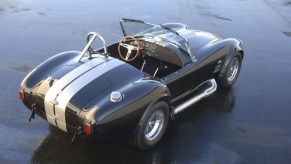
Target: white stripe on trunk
(70, 84)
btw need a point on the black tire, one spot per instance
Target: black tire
(145, 141)
(226, 81)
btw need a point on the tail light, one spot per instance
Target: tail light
(21, 95)
(87, 129)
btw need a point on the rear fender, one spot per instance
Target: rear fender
(123, 118)
(48, 67)
(162, 95)
(34, 79)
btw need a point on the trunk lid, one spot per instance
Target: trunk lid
(66, 92)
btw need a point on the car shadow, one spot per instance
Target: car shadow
(184, 140)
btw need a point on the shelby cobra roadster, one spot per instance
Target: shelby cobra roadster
(131, 89)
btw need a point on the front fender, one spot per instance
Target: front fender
(237, 47)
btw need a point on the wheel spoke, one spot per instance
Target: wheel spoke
(153, 130)
(125, 45)
(154, 125)
(128, 54)
(233, 69)
(134, 48)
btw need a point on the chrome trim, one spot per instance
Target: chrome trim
(115, 96)
(156, 72)
(197, 98)
(55, 102)
(90, 38)
(143, 64)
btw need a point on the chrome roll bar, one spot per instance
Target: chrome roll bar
(90, 38)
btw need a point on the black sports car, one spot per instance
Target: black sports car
(132, 88)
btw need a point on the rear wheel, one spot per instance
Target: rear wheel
(152, 127)
(231, 73)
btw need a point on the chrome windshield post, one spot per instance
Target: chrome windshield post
(90, 38)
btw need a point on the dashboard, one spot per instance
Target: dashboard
(159, 52)
(148, 48)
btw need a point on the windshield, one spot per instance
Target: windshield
(162, 33)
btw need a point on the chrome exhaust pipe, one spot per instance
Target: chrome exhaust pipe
(197, 98)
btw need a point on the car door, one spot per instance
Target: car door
(194, 73)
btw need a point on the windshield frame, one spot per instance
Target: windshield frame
(185, 48)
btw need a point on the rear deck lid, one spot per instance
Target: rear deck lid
(60, 94)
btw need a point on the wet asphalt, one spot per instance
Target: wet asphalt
(249, 123)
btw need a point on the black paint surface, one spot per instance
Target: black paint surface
(248, 124)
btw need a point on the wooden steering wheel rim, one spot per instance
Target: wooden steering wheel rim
(137, 44)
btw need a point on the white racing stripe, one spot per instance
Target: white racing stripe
(63, 82)
(65, 89)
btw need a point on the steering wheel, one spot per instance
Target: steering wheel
(124, 42)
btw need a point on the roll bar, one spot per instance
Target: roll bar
(90, 38)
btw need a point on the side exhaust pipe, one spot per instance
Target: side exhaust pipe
(196, 98)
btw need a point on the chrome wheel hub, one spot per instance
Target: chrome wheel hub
(154, 125)
(233, 69)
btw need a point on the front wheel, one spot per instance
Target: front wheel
(231, 73)
(152, 127)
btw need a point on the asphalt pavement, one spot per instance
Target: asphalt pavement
(249, 123)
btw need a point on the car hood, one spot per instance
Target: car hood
(196, 38)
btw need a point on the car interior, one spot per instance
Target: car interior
(152, 59)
